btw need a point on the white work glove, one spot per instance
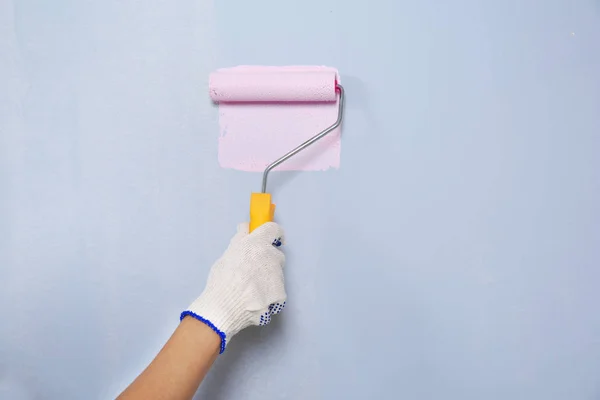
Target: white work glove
(245, 286)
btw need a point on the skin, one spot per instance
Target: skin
(179, 367)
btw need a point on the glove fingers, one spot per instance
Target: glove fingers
(276, 308)
(273, 308)
(265, 319)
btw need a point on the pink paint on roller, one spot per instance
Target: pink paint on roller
(266, 85)
(266, 111)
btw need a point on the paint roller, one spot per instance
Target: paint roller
(276, 86)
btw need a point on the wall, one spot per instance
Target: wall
(453, 255)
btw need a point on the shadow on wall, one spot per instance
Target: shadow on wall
(231, 368)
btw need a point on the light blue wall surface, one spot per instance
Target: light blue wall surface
(455, 254)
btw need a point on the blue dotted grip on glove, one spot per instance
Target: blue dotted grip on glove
(274, 309)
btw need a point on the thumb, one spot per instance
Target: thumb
(270, 233)
(243, 228)
(241, 233)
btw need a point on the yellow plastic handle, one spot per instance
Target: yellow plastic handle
(261, 209)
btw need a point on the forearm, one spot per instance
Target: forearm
(178, 369)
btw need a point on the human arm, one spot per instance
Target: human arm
(245, 287)
(180, 366)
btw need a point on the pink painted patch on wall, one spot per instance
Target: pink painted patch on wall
(254, 134)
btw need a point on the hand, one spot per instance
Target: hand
(245, 286)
